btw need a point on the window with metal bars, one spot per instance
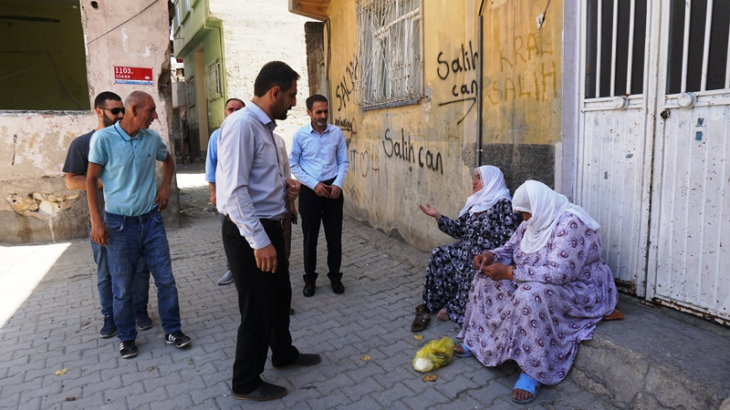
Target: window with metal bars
(699, 32)
(615, 47)
(389, 52)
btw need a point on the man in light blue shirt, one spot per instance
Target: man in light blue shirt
(318, 159)
(211, 162)
(124, 156)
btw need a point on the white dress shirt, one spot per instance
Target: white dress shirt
(249, 177)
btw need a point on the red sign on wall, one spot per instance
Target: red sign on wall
(133, 75)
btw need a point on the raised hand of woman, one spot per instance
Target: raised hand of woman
(498, 271)
(430, 211)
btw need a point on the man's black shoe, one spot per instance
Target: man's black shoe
(128, 349)
(265, 392)
(308, 290)
(338, 287)
(304, 359)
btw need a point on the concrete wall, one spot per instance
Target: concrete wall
(35, 205)
(405, 156)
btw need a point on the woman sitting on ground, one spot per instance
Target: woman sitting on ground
(542, 293)
(485, 222)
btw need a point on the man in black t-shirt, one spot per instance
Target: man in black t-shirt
(109, 109)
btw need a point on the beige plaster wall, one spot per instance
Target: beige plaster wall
(254, 33)
(35, 205)
(425, 153)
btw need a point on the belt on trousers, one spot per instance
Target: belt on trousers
(267, 222)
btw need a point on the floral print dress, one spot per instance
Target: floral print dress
(450, 268)
(557, 296)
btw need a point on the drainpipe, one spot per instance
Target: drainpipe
(480, 82)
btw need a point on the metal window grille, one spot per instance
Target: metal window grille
(213, 80)
(389, 51)
(615, 46)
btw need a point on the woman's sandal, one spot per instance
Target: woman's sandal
(527, 384)
(466, 353)
(420, 323)
(421, 309)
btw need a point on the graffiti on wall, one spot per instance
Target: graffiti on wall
(521, 77)
(405, 150)
(347, 125)
(347, 85)
(460, 92)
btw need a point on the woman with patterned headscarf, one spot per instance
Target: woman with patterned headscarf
(485, 222)
(541, 294)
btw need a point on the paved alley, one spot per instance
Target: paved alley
(51, 356)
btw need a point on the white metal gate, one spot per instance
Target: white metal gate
(614, 159)
(665, 233)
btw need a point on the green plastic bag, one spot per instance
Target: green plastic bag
(436, 353)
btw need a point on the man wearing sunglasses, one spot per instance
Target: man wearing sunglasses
(109, 110)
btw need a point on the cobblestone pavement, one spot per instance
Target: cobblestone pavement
(51, 356)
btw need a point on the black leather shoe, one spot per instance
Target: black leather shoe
(308, 290)
(304, 359)
(265, 392)
(338, 287)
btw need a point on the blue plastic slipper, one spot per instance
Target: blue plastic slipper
(467, 352)
(527, 384)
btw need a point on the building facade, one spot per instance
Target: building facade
(56, 56)
(223, 44)
(622, 106)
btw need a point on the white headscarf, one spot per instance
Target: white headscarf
(546, 207)
(493, 189)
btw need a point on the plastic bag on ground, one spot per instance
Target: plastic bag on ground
(436, 353)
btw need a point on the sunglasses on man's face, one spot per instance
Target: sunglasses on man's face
(114, 111)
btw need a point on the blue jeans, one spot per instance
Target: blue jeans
(140, 283)
(132, 237)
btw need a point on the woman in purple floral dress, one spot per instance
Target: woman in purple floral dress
(485, 222)
(542, 293)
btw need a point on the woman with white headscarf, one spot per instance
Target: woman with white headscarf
(540, 294)
(485, 222)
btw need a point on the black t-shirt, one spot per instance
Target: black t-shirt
(77, 160)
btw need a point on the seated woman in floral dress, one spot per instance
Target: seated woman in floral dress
(542, 293)
(485, 222)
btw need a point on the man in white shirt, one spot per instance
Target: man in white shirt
(252, 192)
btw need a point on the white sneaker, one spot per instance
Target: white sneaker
(226, 279)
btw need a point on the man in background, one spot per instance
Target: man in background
(211, 162)
(319, 161)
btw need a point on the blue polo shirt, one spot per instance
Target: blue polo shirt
(128, 170)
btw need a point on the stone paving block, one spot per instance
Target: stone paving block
(427, 398)
(334, 384)
(363, 387)
(139, 400)
(489, 392)
(105, 384)
(332, 401)
(367, 403)
(12, 400)
(296, 396)
(119, 395)
(174, 403)
(16, 385)
(391, 394)
(95, 401)
(35, 403)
